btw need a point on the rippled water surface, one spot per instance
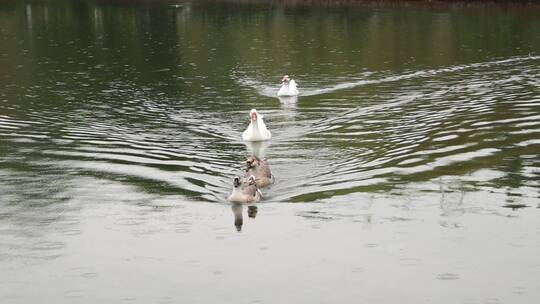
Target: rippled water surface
(408, 169)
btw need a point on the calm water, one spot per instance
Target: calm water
(408, 170)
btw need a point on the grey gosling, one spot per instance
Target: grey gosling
(245, 191)
(260, 169)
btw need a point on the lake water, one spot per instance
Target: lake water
(407, 171)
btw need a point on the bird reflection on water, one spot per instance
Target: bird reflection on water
(288, 102)
(239, 217)
(252, 211)
(257, 148)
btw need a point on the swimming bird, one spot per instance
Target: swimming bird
(245, 191)
(260, 169)
(256, 131)
(288, 87)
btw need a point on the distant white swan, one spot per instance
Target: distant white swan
(288, 87)
(256, 131)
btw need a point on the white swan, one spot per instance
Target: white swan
(288, 87)
(256, 131)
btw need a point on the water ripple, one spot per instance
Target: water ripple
(449, 120)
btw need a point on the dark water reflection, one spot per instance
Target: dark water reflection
(238, 211)
(120, 128)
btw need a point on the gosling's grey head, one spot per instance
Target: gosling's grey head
(251, 180)
(236, 182)
(252, 162)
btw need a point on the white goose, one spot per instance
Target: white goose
(256, 131)
(288, 87)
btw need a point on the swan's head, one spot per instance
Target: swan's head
(236, 182)
(253, 115)
(252, 162)
(285, 79)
